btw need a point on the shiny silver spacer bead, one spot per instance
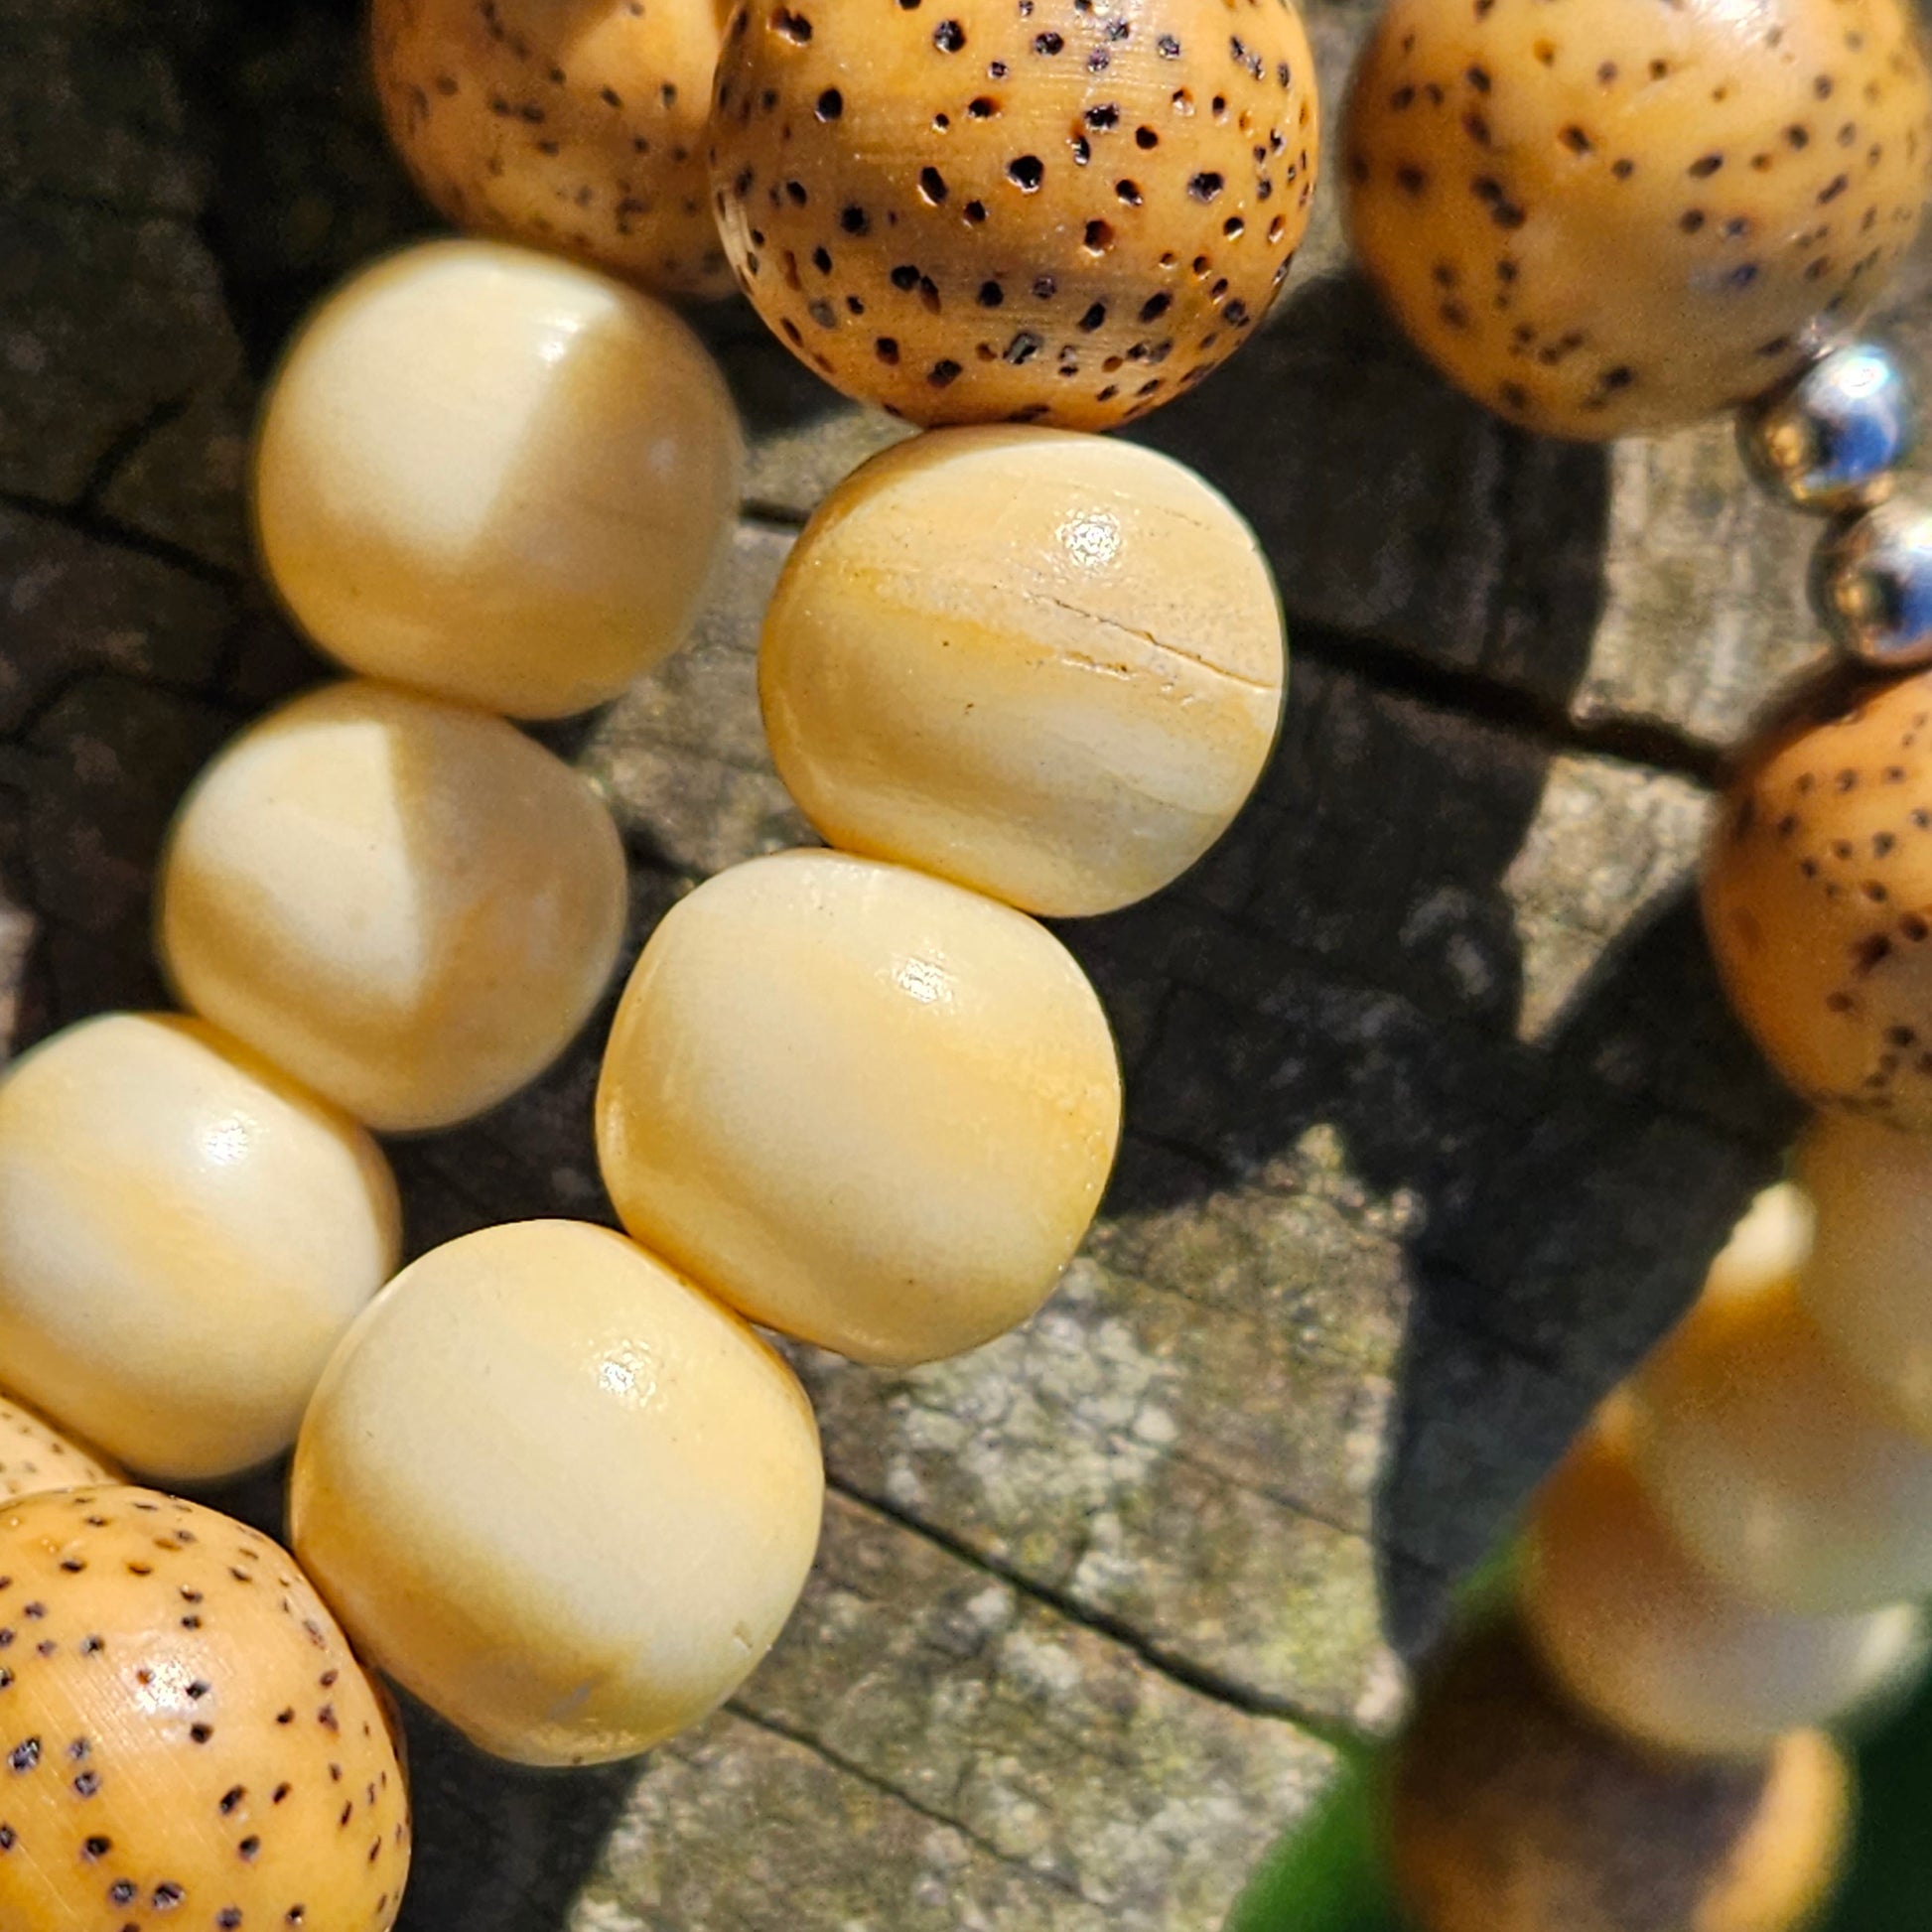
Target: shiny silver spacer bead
(1871, 583)
(1829, 438)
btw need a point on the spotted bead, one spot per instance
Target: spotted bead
(1601, 218)
(1818, 899)
(579, 129)
(1058, 210)
(186, 1739)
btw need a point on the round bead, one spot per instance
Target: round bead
(1602, 220)
(34, 1456)
(1510, 1811)
(562, 1497)
(185, 1235)
(865, 1106)
(190, 1741)
(409, 906)
(1043, 666)
(1655, 1647)
(1817, 890)
(1832, 435)
(974, 213)
(1781, 1471)
(1872, 582)
(1868, 1281)
(495, 477)
(577, 128)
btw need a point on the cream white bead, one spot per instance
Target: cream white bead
(496, 476)
(556, 1493)
(1867, 1283)
(1656, 1646)
(865, 1106)
(408, 905)
(185, 1235)
(1783, 1472)
(1048, 666)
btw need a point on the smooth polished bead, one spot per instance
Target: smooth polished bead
(1832, 435)
(185, 1235)
(1871, 583)
(1640, 1633)
(1868, 1281)
(1042, 665)
(557, 1494)
(1784, 1473)
(408, 905)
(866, 1108)
(1510, 1809)
(495, 477)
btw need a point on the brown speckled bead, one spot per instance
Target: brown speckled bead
(1602, 217)
(188, 1740)
(573, 125)
(1028, 210)
(1818, 898)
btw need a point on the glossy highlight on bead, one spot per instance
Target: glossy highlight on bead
(1871, 584)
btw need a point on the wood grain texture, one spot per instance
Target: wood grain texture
(1434, 1111)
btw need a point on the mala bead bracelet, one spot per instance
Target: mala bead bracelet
(549, 1479)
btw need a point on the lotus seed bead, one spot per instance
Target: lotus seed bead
(1832, 435)
(1868, 1280)
(1816, 891)
(408, 905)
(866, 1107)
(1646, 1638)
(1871, 581)
(1783, 1473)
(1512, 1811)
(1043, 666)
(188, 1740)
(185, 1235)
(562, 1497)
(1600, 219)
(495, 477)
(579, 128)
(987, 212)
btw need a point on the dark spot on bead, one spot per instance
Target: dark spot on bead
(1023, 348)
(1094, 317)
(95, 1849)
(1837, 187)
(1478, 79)
(943, 373)
(25, 1756)
(165, 1897)
(1705, 167)
(983, 108)
(1047, 44)
(792, 27)
(1410, 179)
(1168, 47)
(1026, 172)
(1691, 220)
(830, 105)
(933, 185)
(1154, 307)
(992, 295)
(949, 37)
(1101, 118)
(1128, 193)
(1206, 186)
(975, 213)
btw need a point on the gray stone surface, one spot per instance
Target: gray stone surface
(1435, 1113)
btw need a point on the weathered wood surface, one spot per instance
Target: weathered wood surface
(1435, 1113)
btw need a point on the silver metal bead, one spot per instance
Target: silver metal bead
(1872, 582)
(1830, 437)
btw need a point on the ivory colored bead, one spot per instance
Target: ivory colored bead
(1512, 1811)
(1641, 1634)
(1868, 1280)
(972, 213)
(866, 1107)
(185, 1235)
(1783, 1472)
(34, 1456)
(1047, 666)
(1817, 899)
(188, 1740)
(1603, 218)
(561, 1496)
(577, 128)
(497, 477)
(408, 905)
